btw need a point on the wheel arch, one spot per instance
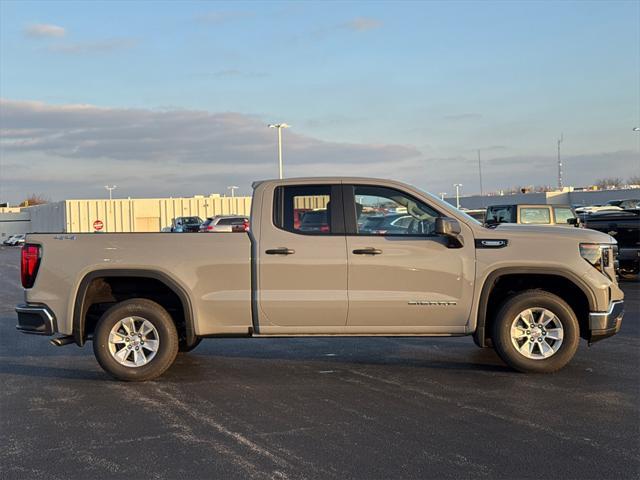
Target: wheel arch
(492, 279)
(80, 306)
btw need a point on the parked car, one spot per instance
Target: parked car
(8, 240)
(628, 204)
(624, 226)
(562, 215)
(609, 206)
(531, 291)
(186, 224)
(15, 240)
(225, 223)
(314, 221)
(382, 224)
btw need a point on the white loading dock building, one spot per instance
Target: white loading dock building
(120, 215)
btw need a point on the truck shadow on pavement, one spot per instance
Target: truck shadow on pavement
(203, 365)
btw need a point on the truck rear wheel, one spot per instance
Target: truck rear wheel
(536, 332)
(135, 340)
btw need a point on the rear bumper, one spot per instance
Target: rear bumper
(606, 324)
(36, 319)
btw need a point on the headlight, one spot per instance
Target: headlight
(596, 254)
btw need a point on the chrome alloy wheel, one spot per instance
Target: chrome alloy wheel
(133, 341)
(537, 333)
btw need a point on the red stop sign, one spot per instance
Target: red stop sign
(98, 225)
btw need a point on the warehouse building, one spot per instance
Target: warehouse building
(119, 215)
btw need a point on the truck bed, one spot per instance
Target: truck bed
(214, 270)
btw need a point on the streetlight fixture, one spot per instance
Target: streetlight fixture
(233, 188)
(279, 126)
(636, 129)
(458, 187)
(442, 194)
(111, 188)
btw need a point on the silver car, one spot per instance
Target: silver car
(225, 223)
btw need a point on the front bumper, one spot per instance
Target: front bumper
(606, 324)
(36, 319)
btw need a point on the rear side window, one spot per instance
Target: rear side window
(563, 214)
(304, 209)
(231, 221)
(530, 215)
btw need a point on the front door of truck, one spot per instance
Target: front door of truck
(402, 276)
(302, 259)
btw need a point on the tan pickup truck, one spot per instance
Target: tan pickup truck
(325, 256)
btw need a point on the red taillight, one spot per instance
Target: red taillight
(29, 264)
(209, 227)
(325, 228)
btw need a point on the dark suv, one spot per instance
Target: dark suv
(624, 226)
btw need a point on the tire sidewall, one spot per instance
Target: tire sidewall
(167, 336)
(502, 332)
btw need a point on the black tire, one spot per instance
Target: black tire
(167, 340)
(510, 310)
(183, 348)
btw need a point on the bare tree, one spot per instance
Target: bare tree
(634, 180)
(606, 183)
(34, 199)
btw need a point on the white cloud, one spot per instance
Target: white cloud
(188, 150)
(72, 150)
(44, 30)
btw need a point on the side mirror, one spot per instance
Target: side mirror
(573, 221)
(450, 228)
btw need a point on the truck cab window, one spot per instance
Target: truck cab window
(389, 212)
(304, 209)
(535, 215)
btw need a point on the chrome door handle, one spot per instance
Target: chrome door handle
(367, 251)
(280, 251)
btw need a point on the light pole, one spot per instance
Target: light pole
(279, 126)
(480, 173)
(233, 188)
(442, 194)
(560, 140)
(458, 187)
(111, 188)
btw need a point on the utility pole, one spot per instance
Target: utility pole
(560, 140)
(458, 186)
(279, 126)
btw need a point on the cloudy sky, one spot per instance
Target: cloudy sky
(173, 98)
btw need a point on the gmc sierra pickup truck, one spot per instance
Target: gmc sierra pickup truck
(531, 292)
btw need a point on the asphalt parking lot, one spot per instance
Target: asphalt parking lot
(318, 408)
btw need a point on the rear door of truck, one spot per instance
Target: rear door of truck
(302, 264)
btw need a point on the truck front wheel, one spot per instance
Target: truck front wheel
(536, 331)
(135, 340)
